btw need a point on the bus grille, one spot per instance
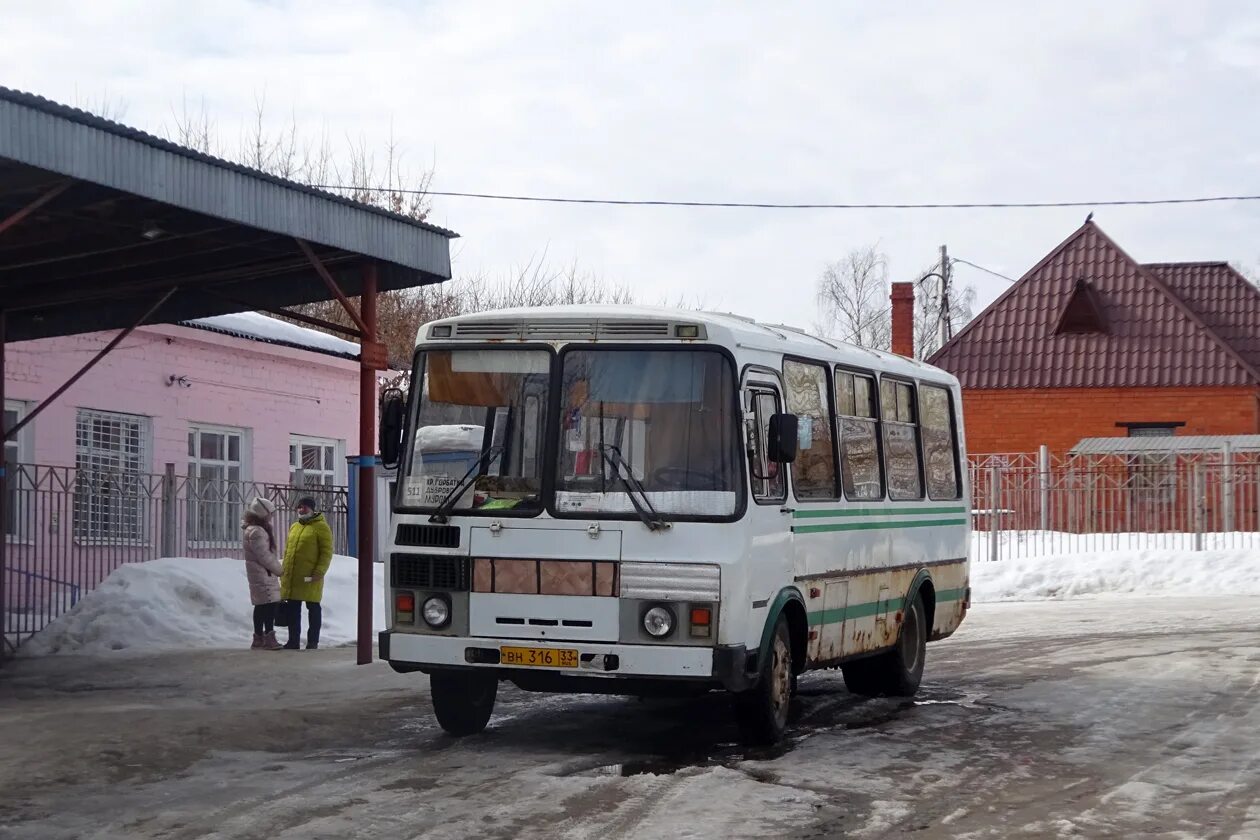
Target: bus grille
(412, 571)
(429, 536)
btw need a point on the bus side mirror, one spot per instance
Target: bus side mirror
(782, 438)
(393, 413)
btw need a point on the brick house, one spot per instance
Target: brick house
(1091, 343)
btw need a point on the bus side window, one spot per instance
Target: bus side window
(771, 487)
(940, 443)
(900, 420)
(808, 397)
(858, 435)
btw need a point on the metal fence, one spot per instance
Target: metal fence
(1032, 505)
(67, 529)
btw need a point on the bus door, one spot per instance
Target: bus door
(769, 518)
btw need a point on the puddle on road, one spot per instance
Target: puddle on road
(816, 711)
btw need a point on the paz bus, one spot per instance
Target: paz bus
(626, 500)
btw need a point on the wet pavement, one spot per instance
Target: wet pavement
(1105, 718)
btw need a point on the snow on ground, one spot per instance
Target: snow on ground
(181, 603)
(1147, 572)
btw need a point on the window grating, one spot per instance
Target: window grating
(109, 456)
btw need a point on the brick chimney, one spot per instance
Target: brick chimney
(903, 319)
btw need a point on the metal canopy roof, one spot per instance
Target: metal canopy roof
(127, 216)
(1165, 445)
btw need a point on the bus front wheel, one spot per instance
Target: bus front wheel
(762, 711)
(899, 671)
(463, 700)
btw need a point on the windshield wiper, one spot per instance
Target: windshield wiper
(648, 514)
(441, 514)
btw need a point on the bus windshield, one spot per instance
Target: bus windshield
(662, 419)
(481, 415)
(639, 430)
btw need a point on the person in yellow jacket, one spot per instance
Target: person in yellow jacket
(307, 555)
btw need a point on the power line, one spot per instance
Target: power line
(760, 205)
(985, 270)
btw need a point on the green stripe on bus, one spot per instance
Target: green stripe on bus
(825, 514)
(875, 526)
(873, 608)
(853, 611)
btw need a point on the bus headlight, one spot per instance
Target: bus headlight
(658, 622)
(436, 612)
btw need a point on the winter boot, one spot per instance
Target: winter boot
(257, 643)
(269, 641)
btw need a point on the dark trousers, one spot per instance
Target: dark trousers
(265, 617)
(316, 613)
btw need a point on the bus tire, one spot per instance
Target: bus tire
(863, 677)
(904, 669)
(762, 711)
(899, 671)
(463, 700)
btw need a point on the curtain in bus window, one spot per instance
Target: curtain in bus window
(859, 455)
(938, 443)
(814, 471)
(901, 445)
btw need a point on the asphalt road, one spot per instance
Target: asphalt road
(1116, 717)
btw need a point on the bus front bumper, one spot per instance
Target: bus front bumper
(725, 664)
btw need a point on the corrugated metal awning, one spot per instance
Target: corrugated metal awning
(112, 217)
(1165, 445)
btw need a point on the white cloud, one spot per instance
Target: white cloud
(802, 102)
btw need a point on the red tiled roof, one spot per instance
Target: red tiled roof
(1151, 338)
(1224, 299)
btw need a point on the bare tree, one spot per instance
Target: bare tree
(853, 299)
(105, 107)
(927, 312)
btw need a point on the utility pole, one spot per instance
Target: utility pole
(945, 331)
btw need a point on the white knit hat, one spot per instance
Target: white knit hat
(261, 508)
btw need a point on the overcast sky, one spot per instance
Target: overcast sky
(802, 102)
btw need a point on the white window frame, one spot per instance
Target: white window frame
(338, 473)
(24, 446)
(89, 535)
(232, 510)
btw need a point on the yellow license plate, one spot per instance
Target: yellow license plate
(538, 657)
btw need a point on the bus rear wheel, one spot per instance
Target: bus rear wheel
(899, 671)
(762, 711)
(463, 700)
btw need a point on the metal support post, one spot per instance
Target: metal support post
(1043, 484)
(169, 517)
(4, 503)
(367, 462)
(995, 507)
(1200, 504)
(1227, 488)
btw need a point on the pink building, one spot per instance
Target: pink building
(154, 451)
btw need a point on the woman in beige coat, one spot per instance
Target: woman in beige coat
(262, 569)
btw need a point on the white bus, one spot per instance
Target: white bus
(635, 501)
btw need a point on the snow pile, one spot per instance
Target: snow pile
(181, 603)
(1149, 572)
(273, 329)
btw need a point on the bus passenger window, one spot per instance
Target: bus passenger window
(859, 430)
(771, 485)
(901, 440)
(940, 444)
(814, 471)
